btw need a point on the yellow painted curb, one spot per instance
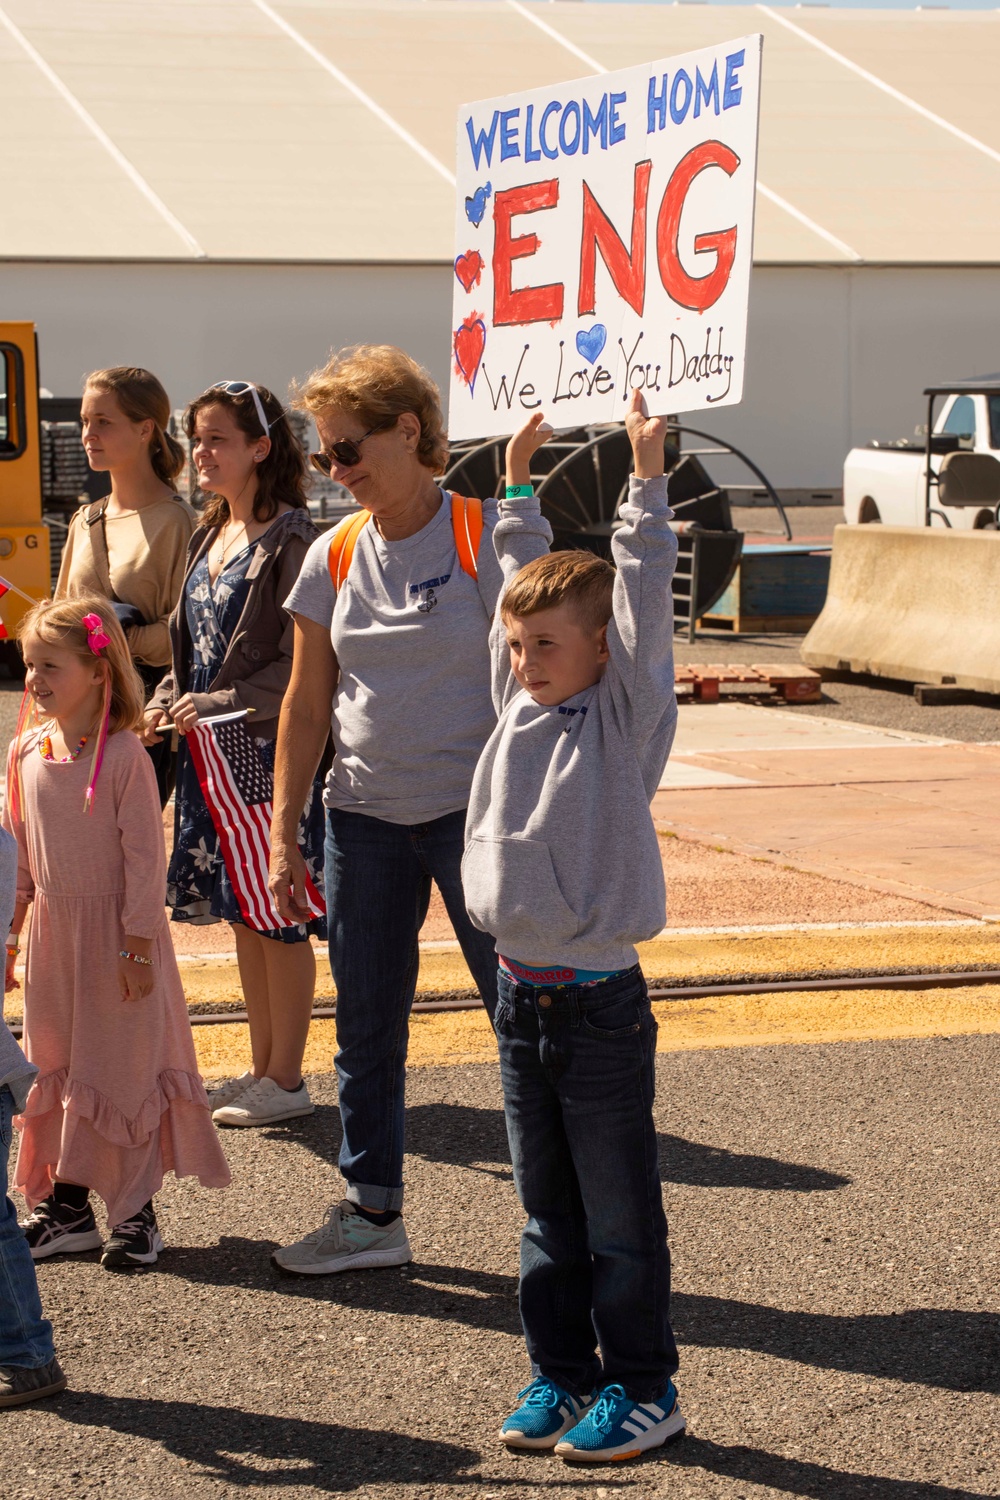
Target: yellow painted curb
(679, 957)
(451, 1038)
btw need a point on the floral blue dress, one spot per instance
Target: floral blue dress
(198, 885)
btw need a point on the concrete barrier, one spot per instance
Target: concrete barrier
(917, 604)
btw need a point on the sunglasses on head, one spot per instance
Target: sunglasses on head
(345, 452)
(240, 388)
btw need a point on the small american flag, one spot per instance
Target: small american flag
(239, 793)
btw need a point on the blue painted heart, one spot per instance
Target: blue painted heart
(475, 207)
(590, 341)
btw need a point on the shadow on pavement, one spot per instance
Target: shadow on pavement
(480, 1299)
(464, 1135)
(941, 1347)
(957, 1351)
(252, 1449)
(690, 1164)
(793, 1476)
(454, 1294)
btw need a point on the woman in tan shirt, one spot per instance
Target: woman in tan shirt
(131, 546)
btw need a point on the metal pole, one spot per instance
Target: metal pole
(693, 601)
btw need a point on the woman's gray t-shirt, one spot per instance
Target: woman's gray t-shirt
(412, 709)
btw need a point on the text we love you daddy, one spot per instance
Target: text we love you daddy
(604, 240)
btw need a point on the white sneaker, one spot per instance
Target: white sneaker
(345, 1242)
(227, 1092)
(264, 1103)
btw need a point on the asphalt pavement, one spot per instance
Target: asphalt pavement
(834, 1217)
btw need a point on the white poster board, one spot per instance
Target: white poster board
(604, 241)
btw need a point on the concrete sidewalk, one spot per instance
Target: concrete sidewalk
(894, 812)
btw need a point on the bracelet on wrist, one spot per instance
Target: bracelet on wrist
(12, 948)
(136, 958)
(520, 491)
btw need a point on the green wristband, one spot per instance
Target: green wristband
(520, 491)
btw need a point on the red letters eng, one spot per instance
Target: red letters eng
(694, 292)
(530, 304)
(627, 268)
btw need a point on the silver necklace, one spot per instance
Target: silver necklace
(220, 559)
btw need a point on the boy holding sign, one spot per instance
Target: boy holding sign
(562, 863)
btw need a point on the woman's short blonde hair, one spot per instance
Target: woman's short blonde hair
(378, 383)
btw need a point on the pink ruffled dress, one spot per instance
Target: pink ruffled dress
(118, 1100)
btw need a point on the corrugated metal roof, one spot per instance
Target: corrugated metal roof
(323, 130)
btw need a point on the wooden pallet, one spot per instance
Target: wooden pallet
(794, 683)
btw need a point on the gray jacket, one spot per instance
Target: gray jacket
(15, 1070)
(562, 862)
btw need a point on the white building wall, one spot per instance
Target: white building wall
(838, 355)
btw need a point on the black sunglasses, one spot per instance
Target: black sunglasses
(345, 452)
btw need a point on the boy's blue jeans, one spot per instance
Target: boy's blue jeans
(378, 884)
(25, 1336)
(577, 1066)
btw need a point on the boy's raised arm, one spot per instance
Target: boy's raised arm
(521, 534)
(641, 631)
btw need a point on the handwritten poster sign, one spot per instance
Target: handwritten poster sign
(604, 241)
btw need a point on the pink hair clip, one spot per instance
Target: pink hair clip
(97, 638)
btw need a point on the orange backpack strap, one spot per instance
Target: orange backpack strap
(467, 524)
(342, 545)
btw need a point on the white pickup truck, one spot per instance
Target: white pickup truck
(948, 475)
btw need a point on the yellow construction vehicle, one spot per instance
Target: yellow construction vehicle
(24, 539)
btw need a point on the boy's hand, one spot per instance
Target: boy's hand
(523, 445)
(9, 982)
(647, 435)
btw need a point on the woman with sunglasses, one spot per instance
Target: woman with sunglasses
(231, 644)
(392, 644)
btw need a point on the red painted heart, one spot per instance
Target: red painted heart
(469, 342)
(469, 269)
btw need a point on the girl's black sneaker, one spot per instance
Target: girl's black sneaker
(57, 1229)
(136, 1242)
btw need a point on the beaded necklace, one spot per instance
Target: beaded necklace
(45, 750)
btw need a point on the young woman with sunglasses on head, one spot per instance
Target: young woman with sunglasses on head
(130, 546)
(231, 641)
(392, 642)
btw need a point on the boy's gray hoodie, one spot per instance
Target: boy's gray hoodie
(15, 1070)
(562, 862)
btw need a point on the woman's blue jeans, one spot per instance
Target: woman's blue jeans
(378, 885)
(25, 1336)
(577, 1066)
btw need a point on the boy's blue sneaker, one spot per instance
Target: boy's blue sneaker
(545, 1414)
(616, 1427)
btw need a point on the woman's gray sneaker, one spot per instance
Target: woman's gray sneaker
(345, 1242)
(18, 1386)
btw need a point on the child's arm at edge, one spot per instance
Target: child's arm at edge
(641, 631)
(521, 534)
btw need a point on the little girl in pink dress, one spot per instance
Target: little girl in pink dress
(118, 1100)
